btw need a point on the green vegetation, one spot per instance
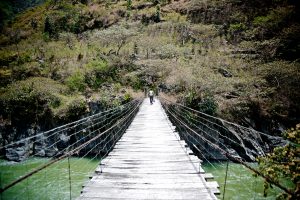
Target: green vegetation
(238, 60)
(76, 82)
(282, 165)
(235, 59)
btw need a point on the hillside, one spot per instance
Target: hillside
(235, 59)
(9, 8)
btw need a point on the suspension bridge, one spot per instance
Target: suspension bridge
(141, 154)
(150, 162)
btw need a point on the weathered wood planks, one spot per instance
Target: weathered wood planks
(150, 162)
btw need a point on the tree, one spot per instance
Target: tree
(117, 35)
(283, 165)
(50, 28)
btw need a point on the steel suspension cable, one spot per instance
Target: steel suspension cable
(240, 161)
(75, 123)
(217, 118)
(194, 139)
(68, 153)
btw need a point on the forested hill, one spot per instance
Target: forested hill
(9, 8)
(63, 59)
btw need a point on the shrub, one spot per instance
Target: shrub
(208, 106)
(26, 101)
(75, 109)
(282, 165)
(98, 71)
(50, 29)
(237, 27)
(205, 104)
(76, 82)
(127, 97)
(98, 66)
(133, 80)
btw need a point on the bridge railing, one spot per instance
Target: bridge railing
(63, 149)
(214, 140)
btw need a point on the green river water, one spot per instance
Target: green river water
(50, 183)
(240, 183)
(53, 183)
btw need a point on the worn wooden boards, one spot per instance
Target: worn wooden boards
(150, 162)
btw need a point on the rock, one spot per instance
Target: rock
(90, 23)
(94, 107)
(18, 152)
(233, 153)
(164, 87)
(123, 91)
(224, 72)
(40, 153)
(276, 141)
(63, 142)
(50, 152)
(40, 61)
(39, 146)
(133, 56)
(250, 142)
(231, 95)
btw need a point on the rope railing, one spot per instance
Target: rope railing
(95, 138)
(199, 129)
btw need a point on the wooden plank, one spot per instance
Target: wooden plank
(124, 193)
(150, 162)
(208, 176)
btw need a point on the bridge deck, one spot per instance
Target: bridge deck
(150, 162)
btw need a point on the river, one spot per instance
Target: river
(240, 183)
(50, 183)
(54, 182)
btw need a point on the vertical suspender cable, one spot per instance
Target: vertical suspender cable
(1, 185)
(225, 181)
(27, 183)
(70, 183)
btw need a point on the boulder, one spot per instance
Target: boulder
(225, 72)
(39, 146)
(63, 141)
(18, 151)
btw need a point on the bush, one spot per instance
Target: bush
(98, 66)
(26, 101)
(132, 79)
(75, 109)
(127, 97)
(206, 104)
(49, 28)
(76, 82)
(282, 165)
(98, 72)
(237, 27)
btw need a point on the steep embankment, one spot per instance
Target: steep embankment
(236, 59)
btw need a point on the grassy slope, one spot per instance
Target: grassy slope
(104, 48)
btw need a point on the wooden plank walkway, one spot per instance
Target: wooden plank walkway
(150, 162)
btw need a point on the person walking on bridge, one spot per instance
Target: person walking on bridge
(151, 96)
